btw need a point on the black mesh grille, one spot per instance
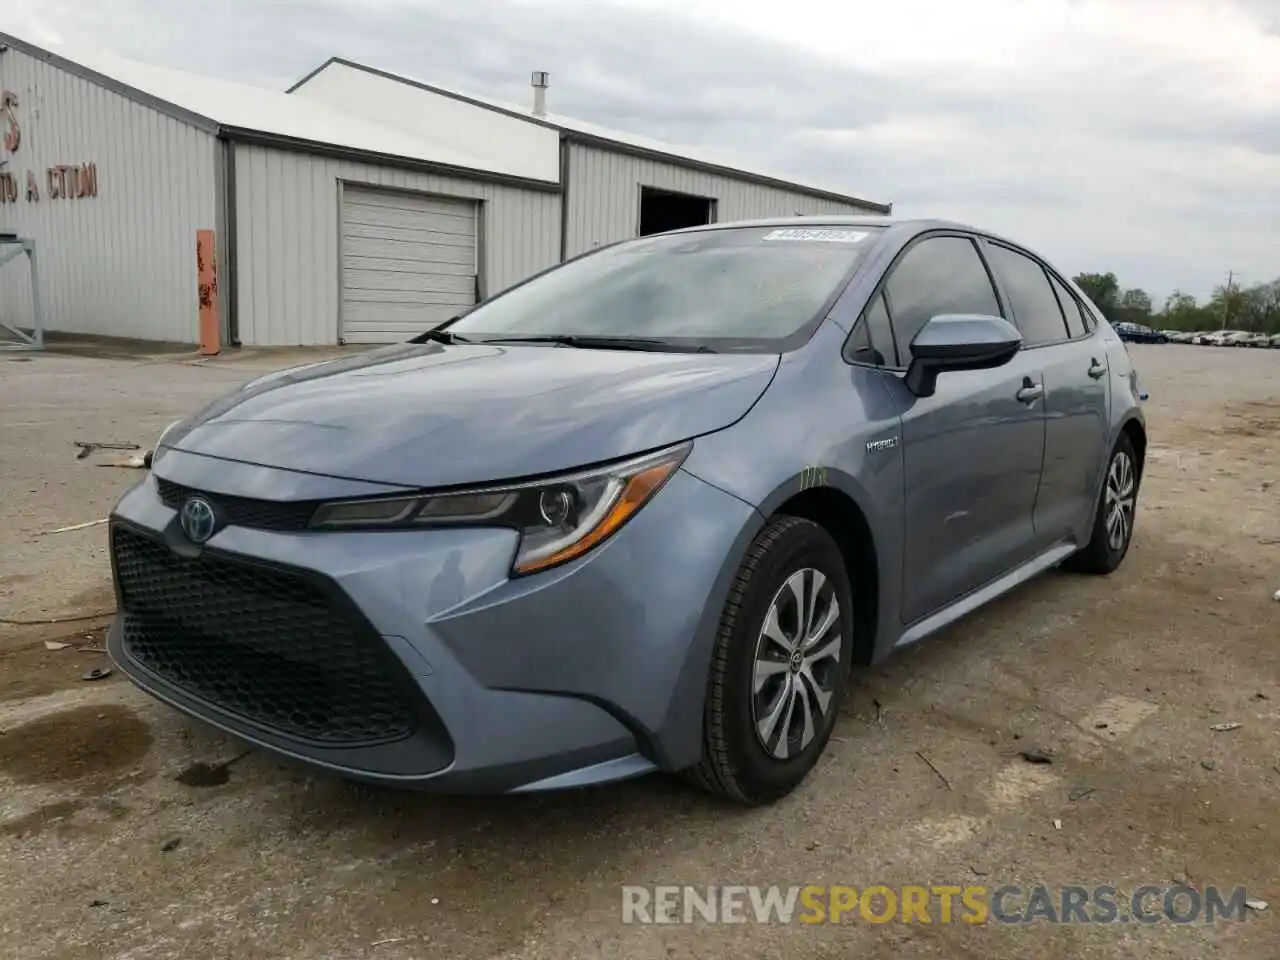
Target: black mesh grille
(263, 643)
(242, 511)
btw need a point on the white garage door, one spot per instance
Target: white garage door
(408, 263)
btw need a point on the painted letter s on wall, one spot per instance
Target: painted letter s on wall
(9, 113)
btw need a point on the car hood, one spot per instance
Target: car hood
(435, 415)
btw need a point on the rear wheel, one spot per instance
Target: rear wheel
(779, 665)
(1115, 515)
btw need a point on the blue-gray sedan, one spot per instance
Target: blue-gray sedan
(643, 511)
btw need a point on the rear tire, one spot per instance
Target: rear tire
(779, 665)
(1114, 516)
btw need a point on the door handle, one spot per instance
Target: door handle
(1030, 392)
(1096, 370)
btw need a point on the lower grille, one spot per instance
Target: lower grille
(272, 646)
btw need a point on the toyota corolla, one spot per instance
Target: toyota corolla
(644, 511)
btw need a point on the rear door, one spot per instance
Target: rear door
(1074, 366)
(972, 451)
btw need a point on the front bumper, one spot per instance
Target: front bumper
(410, 658)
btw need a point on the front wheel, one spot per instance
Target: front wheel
(1115, 515)
(779, 665)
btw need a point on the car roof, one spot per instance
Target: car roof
(896, 230)
(897, 225)
(837, 220)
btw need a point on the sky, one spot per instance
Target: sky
(1135, 136)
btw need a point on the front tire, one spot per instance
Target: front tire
(779, 665)
(1113, 520)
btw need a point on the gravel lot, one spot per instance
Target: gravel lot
(105, 853)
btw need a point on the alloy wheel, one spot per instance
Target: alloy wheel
(797, 662)
(1121, 494)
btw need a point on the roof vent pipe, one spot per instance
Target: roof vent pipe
(540, 78)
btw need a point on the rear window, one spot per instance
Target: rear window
(741, 286)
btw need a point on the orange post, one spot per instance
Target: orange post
(207, 284)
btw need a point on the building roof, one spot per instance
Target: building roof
(243, 112)
(277, 118)
(617, 140)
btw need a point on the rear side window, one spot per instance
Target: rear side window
(1076, 326)
(1034, 304)
(938, 275)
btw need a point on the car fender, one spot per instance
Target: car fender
(680, 737)
(783, 448)
(1124, 401)
(885, 546)
(678, 741)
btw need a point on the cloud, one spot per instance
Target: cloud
(1141, 136)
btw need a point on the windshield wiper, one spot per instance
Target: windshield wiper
(587, 342)
(439, 336)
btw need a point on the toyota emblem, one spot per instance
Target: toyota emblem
(198, 519)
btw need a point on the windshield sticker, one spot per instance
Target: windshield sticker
(827, 235)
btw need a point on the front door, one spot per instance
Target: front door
(971, 460)
(972, 452)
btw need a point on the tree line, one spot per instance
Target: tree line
(1255, 308)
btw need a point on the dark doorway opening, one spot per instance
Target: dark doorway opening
(663, 210)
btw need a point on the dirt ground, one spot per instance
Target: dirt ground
(113, 846)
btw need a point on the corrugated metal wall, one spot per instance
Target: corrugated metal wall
(287, 228)
(122, 263)
(604, 197)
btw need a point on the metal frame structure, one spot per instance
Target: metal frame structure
(23, 340)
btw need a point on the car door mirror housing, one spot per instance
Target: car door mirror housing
(959, 342)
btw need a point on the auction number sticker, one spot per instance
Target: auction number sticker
(819, 235)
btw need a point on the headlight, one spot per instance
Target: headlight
(558, 519)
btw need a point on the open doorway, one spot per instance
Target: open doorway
(663, 210)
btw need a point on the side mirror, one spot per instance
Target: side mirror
(959, 342)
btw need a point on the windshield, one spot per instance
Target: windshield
(734, 287)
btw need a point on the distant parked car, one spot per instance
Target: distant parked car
(1218, 338)
(1255, 340)
(1138, 333)
(1274, 341)
(642, 511)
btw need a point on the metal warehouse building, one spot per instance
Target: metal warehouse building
(357, 207)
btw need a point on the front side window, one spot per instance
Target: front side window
(740, 287)
(938, 275)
